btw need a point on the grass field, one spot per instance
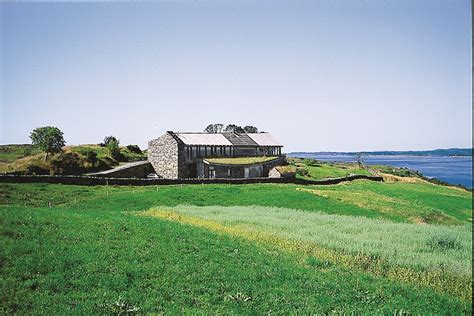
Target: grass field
(316, 170)
(10, 153)
(236, 249)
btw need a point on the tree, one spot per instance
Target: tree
(110, 139)
(48, 138)
(360, 159)
(250, 129)
(214, 128)
(112, 144)
(234, 129)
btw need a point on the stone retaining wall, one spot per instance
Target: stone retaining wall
(140, 169)
(88, 180)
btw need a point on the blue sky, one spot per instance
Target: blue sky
(319, 75)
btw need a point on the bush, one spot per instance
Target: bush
(27, 151)
(91, 156)
(134, 149)
(36, 170)
(112, 144)
(310, 162)
(110, 139)
(302, 172)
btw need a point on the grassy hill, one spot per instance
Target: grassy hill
(360, 247)
(311, 169)
(27, 159)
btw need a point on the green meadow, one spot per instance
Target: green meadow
(361, 247)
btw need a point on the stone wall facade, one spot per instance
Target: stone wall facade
(163, 154)
(172, 159)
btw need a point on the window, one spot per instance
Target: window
(211, 172)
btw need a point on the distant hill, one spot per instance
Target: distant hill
(434, 152)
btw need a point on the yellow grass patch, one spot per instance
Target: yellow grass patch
(366, 199)
(23, 163)
(390, 178)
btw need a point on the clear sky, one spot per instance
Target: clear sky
(320, 75)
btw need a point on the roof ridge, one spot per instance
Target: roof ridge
(178, 132)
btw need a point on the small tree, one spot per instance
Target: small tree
(48, 138)
(360, 159)
(214, 128)
(250, 129)
(112, 144)
(110, 139)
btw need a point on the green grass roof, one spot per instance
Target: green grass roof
(240, 160)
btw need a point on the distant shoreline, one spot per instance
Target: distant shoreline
(451, 152)
(455, 170)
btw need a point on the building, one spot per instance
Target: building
(222, 155)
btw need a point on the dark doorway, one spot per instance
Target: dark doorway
(192, 170)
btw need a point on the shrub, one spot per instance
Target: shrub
(36, 170)
(27, 151)
(91, 156)
(310, 162)
(110, 139)
(112, 144)
(302, 172)
(134, 149)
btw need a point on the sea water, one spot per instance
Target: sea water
(451, 169)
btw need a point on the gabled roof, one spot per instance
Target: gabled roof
(203, 139)
(240, 139)
(264, 139)
(226, 139)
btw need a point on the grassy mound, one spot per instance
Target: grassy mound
(10, 153)
(310, 169)
(25, 159)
